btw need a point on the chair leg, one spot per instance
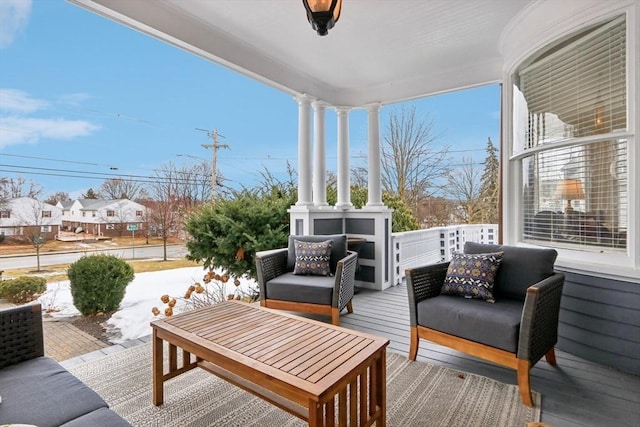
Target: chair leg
(551, 357)
(349, 307)
(524, 384)
(335, 316)
(413, 346)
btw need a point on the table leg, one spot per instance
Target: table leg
(381, 388)
(316, 415)
(158, 368)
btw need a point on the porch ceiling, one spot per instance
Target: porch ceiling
(380, 50)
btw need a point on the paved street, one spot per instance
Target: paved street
(137, 252)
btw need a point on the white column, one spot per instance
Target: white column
(344, 185)
(375, 192)
(304, 151)
(319, 155)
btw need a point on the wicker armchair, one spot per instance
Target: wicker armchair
(324, 295)
(515, 331)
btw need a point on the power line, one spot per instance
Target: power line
(59, 160)
(34, 170)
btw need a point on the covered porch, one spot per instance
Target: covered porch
(379, 54)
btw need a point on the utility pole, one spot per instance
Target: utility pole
(214, 150)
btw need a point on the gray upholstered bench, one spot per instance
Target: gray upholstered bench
(36, 389)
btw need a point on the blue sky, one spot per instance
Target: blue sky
(79, 93)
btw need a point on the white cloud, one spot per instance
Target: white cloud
(14, 17)
(20, 130)
(18, 127)
(17, 101)
(73, 99)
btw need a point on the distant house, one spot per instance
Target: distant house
(100, 217)
(26, 218)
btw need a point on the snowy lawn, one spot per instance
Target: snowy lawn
(143, 293)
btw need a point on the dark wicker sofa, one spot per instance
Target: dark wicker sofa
(515, 331)
(37, 390)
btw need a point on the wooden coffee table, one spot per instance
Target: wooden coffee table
(318, 372)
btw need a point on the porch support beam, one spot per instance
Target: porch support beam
(304, 151)
(319, 155)
(374, 187)
(344, 183)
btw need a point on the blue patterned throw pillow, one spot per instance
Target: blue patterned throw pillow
(472, 275)
(312, 257)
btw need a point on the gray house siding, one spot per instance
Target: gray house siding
(600, 321)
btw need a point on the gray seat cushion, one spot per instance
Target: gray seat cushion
(520, 268)
(338, 249)
(41, 392)
(311, 289)
(495, 325)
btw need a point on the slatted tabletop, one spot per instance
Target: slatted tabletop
(300, 359)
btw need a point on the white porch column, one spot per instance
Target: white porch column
(319, 155)
(344, 185)
(375, 192)
(304, 151)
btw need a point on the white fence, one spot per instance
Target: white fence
(422, 247)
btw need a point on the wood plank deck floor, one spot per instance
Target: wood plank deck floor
(575, 393)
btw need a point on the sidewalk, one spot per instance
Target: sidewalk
(64, 341)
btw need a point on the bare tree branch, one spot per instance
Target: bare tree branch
(411, 165)
(464, 187)
(118, 188)
(12, 188)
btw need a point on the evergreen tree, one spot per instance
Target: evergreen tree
(90, 194)
(489, 184)
(228, 233)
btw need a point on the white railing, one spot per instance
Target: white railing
(422, 247)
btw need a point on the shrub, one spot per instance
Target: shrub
(22, 289)
(98, 283)
(228, 233)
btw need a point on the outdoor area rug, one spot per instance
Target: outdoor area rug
(418, 394)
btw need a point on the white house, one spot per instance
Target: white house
(25, 217)
(100, 217)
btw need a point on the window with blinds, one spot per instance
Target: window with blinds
(577, 195)
(571, 137)
(575, 89)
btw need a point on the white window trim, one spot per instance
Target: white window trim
(619, 266)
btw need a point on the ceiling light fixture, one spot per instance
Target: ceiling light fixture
(322, 14)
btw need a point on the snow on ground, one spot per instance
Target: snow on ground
(142, 294)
